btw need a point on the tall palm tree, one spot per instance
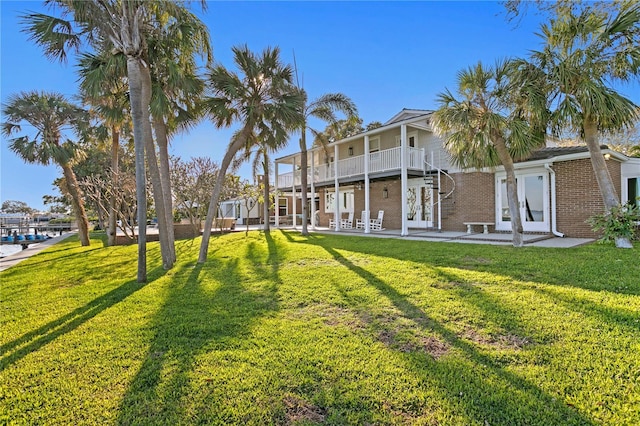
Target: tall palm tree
(262, 98)
(486, 127)
(51, 115)
(584, 52)
(177, 91)
(324, 108)
(125, 27)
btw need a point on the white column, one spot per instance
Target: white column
(276, 210)
(336, 184)
(293, 194)
(367, 204)
(312, 211)
(403, 178)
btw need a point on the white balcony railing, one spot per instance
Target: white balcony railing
(351, 166)
(381, 161)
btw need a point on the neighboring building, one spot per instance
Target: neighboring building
(241, 211)
(403, 169)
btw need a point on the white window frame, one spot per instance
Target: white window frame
(374, 141)
(329, 201)
(286, 206)
(347, 200)
(410, 135)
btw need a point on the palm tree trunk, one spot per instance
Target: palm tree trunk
(139, 112)
(608, 191)
(236, 144)
(154, 174)
(78, 204)
(115, 171)
(599, 164)
(303, 180)
(165, 177)
(512, 189)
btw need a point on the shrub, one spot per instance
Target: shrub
(620, 222)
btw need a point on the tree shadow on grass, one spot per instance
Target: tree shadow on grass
(476, 383)
(570, 267)
(34, 340)
(626, 319)
(209, 308)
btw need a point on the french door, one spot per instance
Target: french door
(419, 205)
(533, 198)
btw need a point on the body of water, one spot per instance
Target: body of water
(9, 249)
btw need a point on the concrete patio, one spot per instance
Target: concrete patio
(530, 240)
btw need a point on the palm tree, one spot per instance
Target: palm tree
(584, 52)
(51, 115)
(487, 126)
(103, 86)
(323, 108)
(262, 99)
(177, 90)
(123, 26)
(262, 159)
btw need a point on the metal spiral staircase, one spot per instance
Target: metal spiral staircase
(433, 178)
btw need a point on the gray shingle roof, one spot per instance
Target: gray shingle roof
(550, 152)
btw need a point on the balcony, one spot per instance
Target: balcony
(353, 167)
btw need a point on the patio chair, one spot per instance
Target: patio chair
(332, 224)
(376, 224)
(348, 222)
(363, 220)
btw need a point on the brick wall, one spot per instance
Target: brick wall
(472, 201)
(391, 205)
(578, 196)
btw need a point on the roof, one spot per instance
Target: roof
(551, 152)
(548, 153)
(406, 114)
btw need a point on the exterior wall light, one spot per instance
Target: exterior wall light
(350, 151)
(385, 192)
(607, 156)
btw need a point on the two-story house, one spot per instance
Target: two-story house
(403, 169)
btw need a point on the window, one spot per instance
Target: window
(412, 140)
(329, 201)
(346, 201)
(282, 206)
(633, 191)
(374, 144)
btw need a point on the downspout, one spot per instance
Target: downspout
(312, 210)
(276, 212)
(294, 193)
(554, 230)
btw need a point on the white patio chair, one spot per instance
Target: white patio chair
(348, 222)
(363, 220)
(376, 224)
(332, 223)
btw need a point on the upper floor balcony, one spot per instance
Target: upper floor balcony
(382, 162)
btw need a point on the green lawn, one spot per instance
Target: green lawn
(282, 329)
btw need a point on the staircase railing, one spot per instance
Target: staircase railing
(431, 171)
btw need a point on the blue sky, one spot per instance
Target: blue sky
(384, 55)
